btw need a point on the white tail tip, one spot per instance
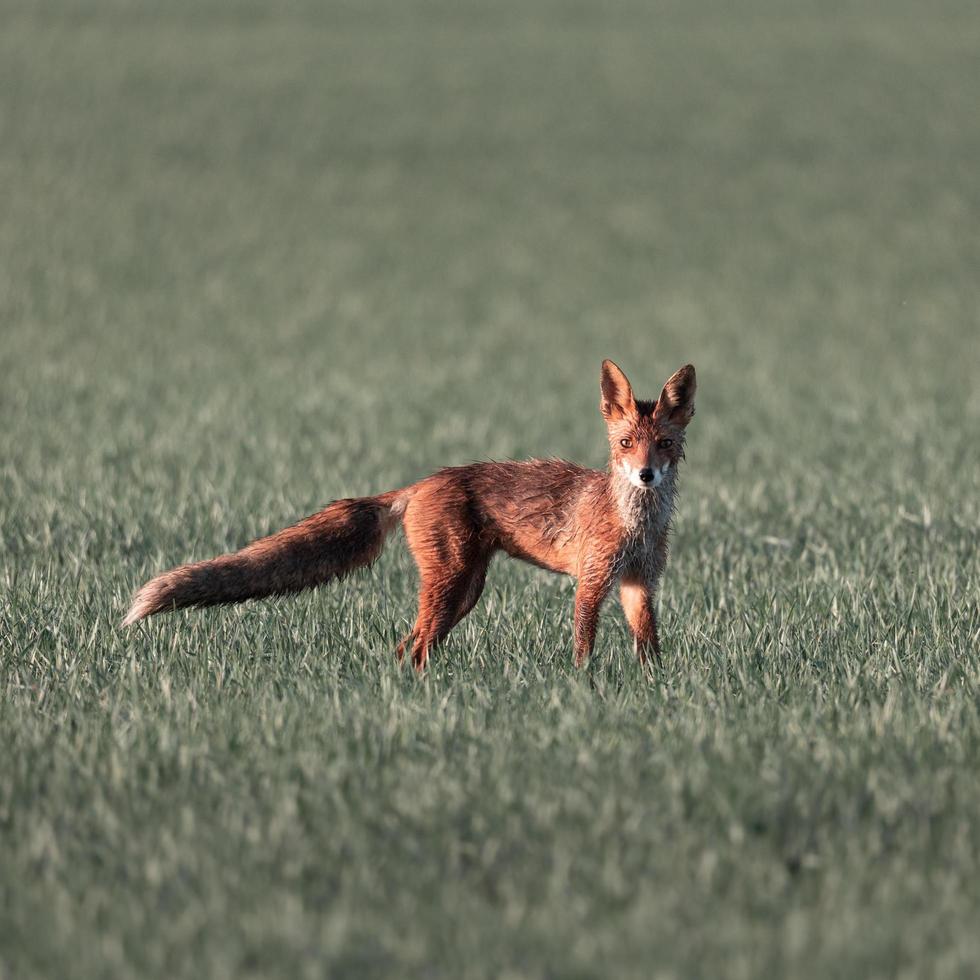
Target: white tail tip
(140, 608)
(131, 617)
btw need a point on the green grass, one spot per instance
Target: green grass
(256, 257)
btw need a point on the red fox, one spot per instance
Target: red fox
(602, 527)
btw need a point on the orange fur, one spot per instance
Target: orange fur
(598, 526)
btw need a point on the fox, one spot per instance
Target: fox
(602, 527)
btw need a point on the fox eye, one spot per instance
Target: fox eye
(666, 443)
(626, 443)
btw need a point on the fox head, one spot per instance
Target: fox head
(646, 439)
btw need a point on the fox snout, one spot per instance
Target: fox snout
(646, 477)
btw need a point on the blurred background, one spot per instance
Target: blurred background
(234, 217)
(257, 256)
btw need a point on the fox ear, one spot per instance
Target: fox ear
(676, 401)
(617, 395)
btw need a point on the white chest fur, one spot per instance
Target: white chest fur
(646, 514)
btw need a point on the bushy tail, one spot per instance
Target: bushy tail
(344, 536)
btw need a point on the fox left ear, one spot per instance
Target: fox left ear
(676, 401)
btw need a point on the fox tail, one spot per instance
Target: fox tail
(344, 536)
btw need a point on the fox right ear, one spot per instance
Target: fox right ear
(617, 394)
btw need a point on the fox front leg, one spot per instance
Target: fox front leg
(638, 600)
(589, 596)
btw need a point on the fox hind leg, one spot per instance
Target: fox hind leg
(444, 540)
(440, 602)
(444, 601)
(475, 586)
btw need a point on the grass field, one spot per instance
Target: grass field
(256, 257)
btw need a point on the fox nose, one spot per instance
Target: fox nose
(646, 474)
